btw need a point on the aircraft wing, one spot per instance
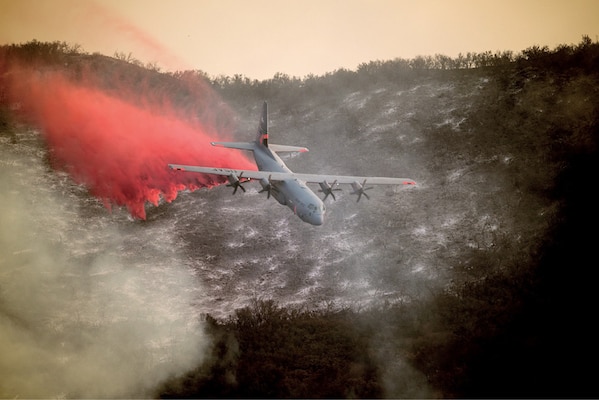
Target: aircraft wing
(373, 180)
(282, 176)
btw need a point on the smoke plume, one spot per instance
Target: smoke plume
(118, 143)
(90, 305)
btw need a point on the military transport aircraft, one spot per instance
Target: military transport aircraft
(287, 187)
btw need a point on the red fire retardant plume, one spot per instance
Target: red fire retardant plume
(117, 149)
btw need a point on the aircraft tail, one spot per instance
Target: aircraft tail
(262, 137)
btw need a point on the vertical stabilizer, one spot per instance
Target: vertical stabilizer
(262, 137)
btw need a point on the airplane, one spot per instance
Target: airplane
(287, 187)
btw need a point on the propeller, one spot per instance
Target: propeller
(360, 190)
(328, 189)
(236, 182)
(266, 187)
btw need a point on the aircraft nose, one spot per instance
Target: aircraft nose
(317, 219)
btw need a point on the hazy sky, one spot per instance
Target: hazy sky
(261, 37)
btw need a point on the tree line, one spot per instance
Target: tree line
(583, 54)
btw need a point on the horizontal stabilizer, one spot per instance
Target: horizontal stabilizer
(236, 145)
(278, 148)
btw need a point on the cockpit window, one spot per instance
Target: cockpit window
(314, 208)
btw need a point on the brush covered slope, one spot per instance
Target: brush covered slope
(477, 283)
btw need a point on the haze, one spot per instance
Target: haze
(260, 38)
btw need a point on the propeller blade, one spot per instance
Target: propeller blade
(236, 182)
(360, 190)
(267, 188)
(328, 189)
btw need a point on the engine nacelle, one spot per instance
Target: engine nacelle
(235, 182)
(360, 190)
(328, 189)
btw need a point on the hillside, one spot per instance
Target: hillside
(476, 283)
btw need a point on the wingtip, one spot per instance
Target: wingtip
(176, 167)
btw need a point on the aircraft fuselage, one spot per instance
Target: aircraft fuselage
(292, 193)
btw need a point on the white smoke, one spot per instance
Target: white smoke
(91, 305)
